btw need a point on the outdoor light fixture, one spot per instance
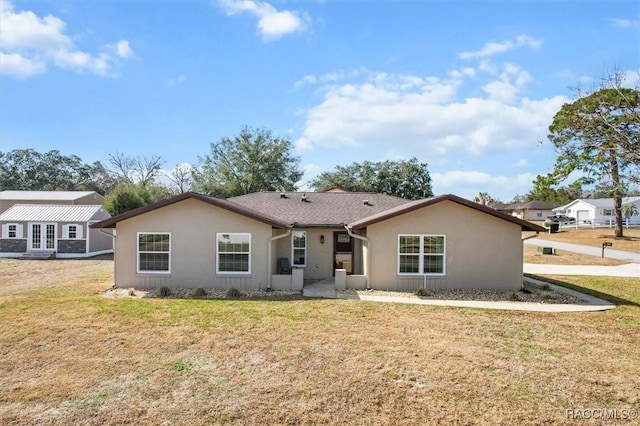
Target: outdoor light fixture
(321, 239)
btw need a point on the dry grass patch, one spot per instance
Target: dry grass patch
(595, 237)
(72, 357)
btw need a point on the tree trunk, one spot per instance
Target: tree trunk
(617, 195)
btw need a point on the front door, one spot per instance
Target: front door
(343, 252)
(42, 236)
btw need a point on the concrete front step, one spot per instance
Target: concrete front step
(39, 255)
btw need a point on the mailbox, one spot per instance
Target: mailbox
(605, 245)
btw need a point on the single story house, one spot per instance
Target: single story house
(531, 210)
(280, 240)
(43, 231)
(597, 210)
(71, 198)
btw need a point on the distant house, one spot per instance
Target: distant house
(597, 210)
(282, 240)
(42, 224)
(531, 210)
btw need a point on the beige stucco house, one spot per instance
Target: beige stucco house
(284, 240)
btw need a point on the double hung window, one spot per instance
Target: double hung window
(421, 254)
(154, 252)
(299, 248)
(233, 253)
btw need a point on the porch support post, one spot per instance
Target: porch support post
(367, 261)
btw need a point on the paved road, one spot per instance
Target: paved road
(626, 256)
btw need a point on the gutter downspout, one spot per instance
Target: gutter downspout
(368, 259)
(271, 240)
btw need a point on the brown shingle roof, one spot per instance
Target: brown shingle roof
(321, 209)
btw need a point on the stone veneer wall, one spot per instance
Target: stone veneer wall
(72, 246)
(13, 245)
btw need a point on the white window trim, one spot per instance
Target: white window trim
(138, 254)
(293, 249)
(19, 231)
(421, 256)
(79, 232)
(218, 253)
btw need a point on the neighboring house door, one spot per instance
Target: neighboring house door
(343, 252)
(42, 236)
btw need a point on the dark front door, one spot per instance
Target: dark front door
(342, 252)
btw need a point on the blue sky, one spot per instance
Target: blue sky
(468, 87)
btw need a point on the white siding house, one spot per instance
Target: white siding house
(598, 210)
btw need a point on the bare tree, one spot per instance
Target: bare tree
(181, 178)
(138, 169)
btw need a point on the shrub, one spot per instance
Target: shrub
(545, 287)
(233, 293)
(164, 291)
(180, 366)
(514, 297)
(200, 292)
(422, 292)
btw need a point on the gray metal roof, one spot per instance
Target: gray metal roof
(45, 195)
(47, 213)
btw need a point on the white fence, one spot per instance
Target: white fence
(600, 223)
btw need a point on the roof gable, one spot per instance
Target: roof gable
(598, 202)
(111, 222)
(419, 204)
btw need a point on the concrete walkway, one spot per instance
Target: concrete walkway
(325, 289)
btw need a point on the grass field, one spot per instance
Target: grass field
(70, 356)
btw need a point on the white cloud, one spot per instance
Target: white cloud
(178, 80)
(272, 24)
(625, 23)
(425, 115)
(494, 48)
(29, 43)
(17, 66)
(468, 184)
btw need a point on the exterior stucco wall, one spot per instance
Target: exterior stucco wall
(482, 251)
(193, 226)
